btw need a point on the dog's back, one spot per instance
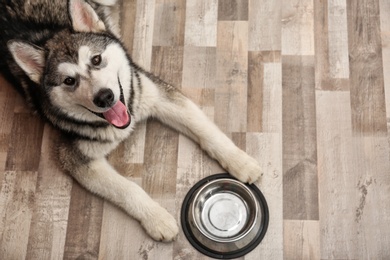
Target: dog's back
(34, 21)
(29, 21)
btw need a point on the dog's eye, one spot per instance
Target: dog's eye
(96, 60)
(69, 81)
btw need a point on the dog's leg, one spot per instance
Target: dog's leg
(174, 109)
(99, 177)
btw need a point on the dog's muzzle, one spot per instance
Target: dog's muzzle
(117, 114)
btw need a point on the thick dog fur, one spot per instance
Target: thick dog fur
(66, 58)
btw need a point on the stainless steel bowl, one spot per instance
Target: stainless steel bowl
(224, 218)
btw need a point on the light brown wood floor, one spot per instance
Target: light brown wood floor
(303, 86)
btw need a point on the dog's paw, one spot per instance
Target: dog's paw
(161, 225)
(245, 168)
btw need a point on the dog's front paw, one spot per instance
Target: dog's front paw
(161, 225)
(245, 168)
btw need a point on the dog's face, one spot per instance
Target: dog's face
(88, 73)
(82, 71)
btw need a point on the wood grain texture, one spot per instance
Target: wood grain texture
(157, 177)
(51, 205)
(143, 33)
(20, 158)
(169, 23)
(17, 210)
(128, 17)
(367, 87)
(264, 25)
(301, 239)
(303, 86)
(297, 27)
(201, 21)
(84, 224)
(7, 99)
(384, 6)
(299, 138)
(255, 91)
(168, 64)
(332, 61)
(199, 67)
(233, 10)
(264, 92)
(232, 70)
(352, 173)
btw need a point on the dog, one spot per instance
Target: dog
(67, 59)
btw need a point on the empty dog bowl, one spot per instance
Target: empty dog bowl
(224, 218)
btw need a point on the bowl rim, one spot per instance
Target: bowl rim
(242, 186)
(263, 207)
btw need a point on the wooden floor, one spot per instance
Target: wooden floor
(303, 86)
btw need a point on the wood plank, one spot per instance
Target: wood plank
(367, 84)
(6, 197)
(301, 239)
(299, 139)
(272, 98)
(117, 230)
(338, 39)
(51, 205)
(373, 181)
(255, 91)
(232, 71)
(3, 159)
(336, 178)
(264, 92)
(201, 23)
(162, 142)
(17, 199)
(298, 28)
(162, 147)
(19, 158)
(324, 80)
(84, 224)
(264, 25)
(384, 7)
(127, 21)
(353, 176)
(169, 23)
(199, 67)
(143, 33)
(233, 10)
(168, 64)
(7, 99)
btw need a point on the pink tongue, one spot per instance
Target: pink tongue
(117, 115)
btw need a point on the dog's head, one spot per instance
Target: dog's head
(84, 71)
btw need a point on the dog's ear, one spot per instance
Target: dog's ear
(84, 18)
(29, 57)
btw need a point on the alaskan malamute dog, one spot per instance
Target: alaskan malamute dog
(66, 58)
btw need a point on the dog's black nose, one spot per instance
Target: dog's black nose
(104, 98)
